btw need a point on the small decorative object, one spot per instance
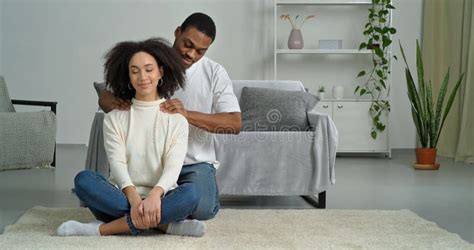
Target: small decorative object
(428, 115)
(321, 92)
(295, 40)
(330, 44)
(338, 92)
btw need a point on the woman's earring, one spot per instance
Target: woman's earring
(130, 86)
(160, 82)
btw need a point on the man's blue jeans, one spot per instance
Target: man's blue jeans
(108, 203)
(203, 175)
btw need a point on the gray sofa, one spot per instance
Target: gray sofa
(261, 162)
(278, 162)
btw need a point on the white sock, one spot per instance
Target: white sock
(75, 228)
(187, 228)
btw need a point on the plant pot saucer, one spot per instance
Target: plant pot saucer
(426, 166)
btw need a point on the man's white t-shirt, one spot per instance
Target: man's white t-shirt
(208, 90)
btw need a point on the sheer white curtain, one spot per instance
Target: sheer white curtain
(448, 41)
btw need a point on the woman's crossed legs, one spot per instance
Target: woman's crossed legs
(111, 208)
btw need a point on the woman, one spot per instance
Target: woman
(145, 148)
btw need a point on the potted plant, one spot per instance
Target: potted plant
(295, 40)
(321, 92)
(428, 116)
(378, 31)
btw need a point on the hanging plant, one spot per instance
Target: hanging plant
(378, 31)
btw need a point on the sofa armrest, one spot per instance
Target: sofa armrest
(315, 118)
(52, 105)
(324, 124)
(96, 158)
(326, 135)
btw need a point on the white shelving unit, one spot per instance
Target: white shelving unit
(334, 67)
(321, 51)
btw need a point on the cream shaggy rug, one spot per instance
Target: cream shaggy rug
(243, 229)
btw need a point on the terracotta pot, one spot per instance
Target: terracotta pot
(426, 156)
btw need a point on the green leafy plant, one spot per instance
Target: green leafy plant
(428, 118)
(294, 22)
(378, 32)
(322, 89)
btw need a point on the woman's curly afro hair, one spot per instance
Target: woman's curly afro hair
(116, 70)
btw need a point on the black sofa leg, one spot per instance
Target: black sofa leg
(319, 202)
(53, 164)
(322, 200)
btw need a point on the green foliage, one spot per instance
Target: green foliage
(428, 118)
(378, 33)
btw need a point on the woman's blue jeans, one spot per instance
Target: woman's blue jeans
(108, 203)
(203, 175)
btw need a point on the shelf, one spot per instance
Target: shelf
(347, 100)
(279, 3)
(334, 67)
(322, 51)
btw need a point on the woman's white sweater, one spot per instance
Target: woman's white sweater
(145, 147)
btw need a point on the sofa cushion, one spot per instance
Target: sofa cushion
(266, 109)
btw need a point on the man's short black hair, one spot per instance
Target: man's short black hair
(202, 23)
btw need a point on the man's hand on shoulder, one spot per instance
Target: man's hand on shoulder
(174, 106)
(221, 123)
(108, 102)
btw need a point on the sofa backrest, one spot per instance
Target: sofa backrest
(5, 101)
(271, 84)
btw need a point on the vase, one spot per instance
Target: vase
(322, 95)
(338, 92)
(295, 41)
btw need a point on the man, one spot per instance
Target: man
(208, 103)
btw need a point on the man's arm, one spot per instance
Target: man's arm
(220, 123)
(108, 102)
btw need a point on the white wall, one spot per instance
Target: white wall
(408, 21)
(54, 48)
(1, 33)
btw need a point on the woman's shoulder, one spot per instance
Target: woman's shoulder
(116, 115)
(176, 118)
